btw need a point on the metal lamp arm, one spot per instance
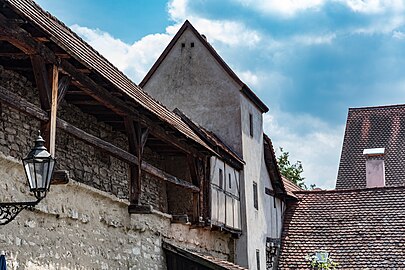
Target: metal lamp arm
(9, 210)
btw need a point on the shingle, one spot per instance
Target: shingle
(362, 229)
(373, 127)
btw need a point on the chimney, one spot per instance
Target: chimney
(375, 168)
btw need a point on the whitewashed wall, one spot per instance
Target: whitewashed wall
(79, 227)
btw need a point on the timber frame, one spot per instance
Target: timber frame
(36, 45)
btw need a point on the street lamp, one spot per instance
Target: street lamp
(38, 166)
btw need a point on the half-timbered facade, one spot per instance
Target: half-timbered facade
(139, 174)
(191, 76)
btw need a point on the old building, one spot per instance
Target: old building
(139, 174)
(360, 225)
(191, 76)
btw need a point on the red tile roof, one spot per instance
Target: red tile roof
(290, 187)
(243, 87)
(361, 229)
(373, 127)
(272, 166)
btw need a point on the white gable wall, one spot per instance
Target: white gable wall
(191, 79)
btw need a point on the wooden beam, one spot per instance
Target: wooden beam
(24, 41)
(54, 109)
(21, 104)
(41, 78)
(63, 86)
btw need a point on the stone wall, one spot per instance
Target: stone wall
(79, 227)
(85, 163)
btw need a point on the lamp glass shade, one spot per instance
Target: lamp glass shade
(39, 166)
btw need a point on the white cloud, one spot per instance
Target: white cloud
(318, 147)
(374, 6)
(314, 39)
(398, 35)
(284, 8)
(227, 32)
(133, 59)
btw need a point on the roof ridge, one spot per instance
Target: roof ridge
(348, 190)
(377, 107)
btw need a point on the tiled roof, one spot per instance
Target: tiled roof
(373, 127)
(212, 140)
(85, 54)
(243, 87)
(203, 260)
(290, 187)
(361, 229)
(272, 166)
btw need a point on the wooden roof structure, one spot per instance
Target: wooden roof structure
(97, 86)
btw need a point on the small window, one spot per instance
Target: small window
(221, 179)
(251, 124)
(258, 259)
(230, 181)
(183, 45)
(192, 44)
(255, 199)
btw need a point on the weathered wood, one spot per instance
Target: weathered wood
(60, 177)
(20, 104)
(134, 171)
(137, 138)
(196, 182)
(140, 209)
(42, 81)
(25, 42)
(54, 109)
(63, 86)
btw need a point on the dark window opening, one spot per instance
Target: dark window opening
(255, 199)
(192, 44)
(230, 180)
(258, 259)
(221, 179)
(251, 124)
(183, 45)
(272, 250)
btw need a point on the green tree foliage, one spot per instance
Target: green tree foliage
(291, 171)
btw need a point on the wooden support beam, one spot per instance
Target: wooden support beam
(63, 86)
(54, 108)
(25, 42)
(137, 138)
(196, 196)
(41, 78)
(11, 99)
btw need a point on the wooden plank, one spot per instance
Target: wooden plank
(54, 108)
(20, 104)
(134, 171)
(63, 86)
(24, 41)
(60, 177)
(41, 79)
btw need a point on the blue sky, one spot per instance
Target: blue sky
(308, 60)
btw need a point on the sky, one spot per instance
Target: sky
(308, 60)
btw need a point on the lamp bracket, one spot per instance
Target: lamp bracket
(9, 210)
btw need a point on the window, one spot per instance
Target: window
(258, 259)
(192, 44)
(251, 124)
(255, 199)
(221, 179)
(272, 250)
(230, 181)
